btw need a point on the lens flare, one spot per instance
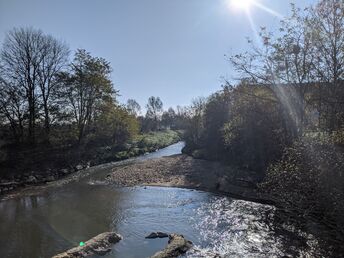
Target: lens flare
(242, 4)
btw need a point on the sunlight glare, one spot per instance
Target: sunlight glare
(242, 4)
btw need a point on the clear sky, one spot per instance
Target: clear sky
(169, 48)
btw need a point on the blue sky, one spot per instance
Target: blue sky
(169, 48)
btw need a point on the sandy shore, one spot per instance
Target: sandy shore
(187, 172)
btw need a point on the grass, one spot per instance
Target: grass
(148, 142)
(158, 139)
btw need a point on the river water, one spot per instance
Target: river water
(50, 221)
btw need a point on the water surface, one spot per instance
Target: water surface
(57, 219)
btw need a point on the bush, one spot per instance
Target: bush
(310, 179)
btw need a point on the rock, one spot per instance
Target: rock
(50, 178)
(31, 180)
(64, 171)
(99, 245)
(157, 235)
(79, 167)
(177, 245)
(222, 184)
(101, 251)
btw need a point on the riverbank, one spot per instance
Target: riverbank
(187, 172)
(50, 164)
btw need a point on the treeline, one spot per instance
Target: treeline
(47, 99)
(285, 119)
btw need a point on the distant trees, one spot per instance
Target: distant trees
(133, 107)
(154, 111)
(168, 118)
(156, 118)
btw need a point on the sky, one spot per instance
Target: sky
(174, 49)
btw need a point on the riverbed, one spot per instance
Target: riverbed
(49, 220)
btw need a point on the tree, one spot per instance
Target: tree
(115, 124)
(327, 23)
(154, 111)
(303, 64)
(168, 118)
(29, 61)
(133, 107)
(87, 87)
(54, 58)
(13, 109)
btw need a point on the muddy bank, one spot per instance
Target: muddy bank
(186, 172)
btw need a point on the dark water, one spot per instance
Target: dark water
(57, 219)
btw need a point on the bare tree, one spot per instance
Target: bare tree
(54, 58)
(29, 61)
(13, 109)
(327, 23)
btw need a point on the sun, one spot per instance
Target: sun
(242, 4)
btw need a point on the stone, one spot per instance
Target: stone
(50, 178)
(64, 171)
(31, 180)
(99, 245)
(177, 245)
(157, 235)
(79, 167)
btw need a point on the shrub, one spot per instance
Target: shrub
(310, 178)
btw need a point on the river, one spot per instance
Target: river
(44, 223)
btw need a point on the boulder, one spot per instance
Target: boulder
(50, 178)
(64, 171)
(157, 235)
(98, 245)
(31, 180)
(79, 167)
(177, 245)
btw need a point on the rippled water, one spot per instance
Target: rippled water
(52, 221)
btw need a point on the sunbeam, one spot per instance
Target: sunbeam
(267, 9)
(253, 27)
(246, 5)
